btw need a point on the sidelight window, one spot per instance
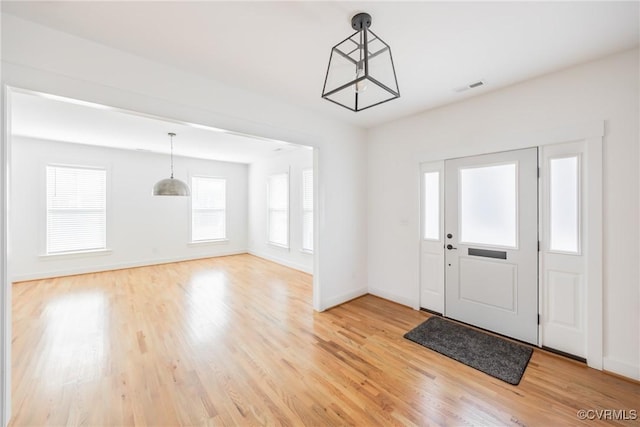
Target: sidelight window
(564, 218)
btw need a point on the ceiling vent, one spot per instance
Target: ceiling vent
(473, 85)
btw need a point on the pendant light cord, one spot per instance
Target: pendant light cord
(361, 48)
(171, 135)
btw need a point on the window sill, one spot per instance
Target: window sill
(78, 254)
(551, 251)
(278, 246)
(208, 242)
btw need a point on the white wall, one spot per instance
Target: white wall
(42, 59)
(602, 90)
(141, 229)
(38, 58)
(293, 162)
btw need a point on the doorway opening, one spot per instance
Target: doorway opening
(49, 130)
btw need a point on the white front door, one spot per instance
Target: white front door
(491, 242)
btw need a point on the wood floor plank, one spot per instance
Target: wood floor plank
(235, 341)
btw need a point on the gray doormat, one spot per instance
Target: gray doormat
(492, 355)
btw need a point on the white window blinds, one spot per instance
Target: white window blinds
(208, 208)
(278, 201)
(307, 210)
(76, 209)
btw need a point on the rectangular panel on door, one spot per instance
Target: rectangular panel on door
(491, 255)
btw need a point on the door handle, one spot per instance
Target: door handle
(450, 247)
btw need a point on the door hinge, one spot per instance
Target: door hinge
(538, 319)
(538, 245)
(538, 172)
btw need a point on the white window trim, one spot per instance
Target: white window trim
(288, 210)
(303, 211)
(439, 174)
(208, 242)
(76, 254)
(547, 237)
(205, 242)
(44, 254)
(279, 246)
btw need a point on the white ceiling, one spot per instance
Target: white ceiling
(281, 49)
(60, 119)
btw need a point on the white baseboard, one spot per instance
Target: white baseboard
(117, 266)
(283, 261)
(341, 299)
(621, 368)
(391, 297)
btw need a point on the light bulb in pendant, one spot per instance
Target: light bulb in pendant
(361, 86)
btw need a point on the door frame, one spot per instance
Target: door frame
(6, 91)
(591, 134)
(5, 288)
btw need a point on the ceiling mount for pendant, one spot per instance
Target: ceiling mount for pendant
(361, 73)
(360, 21)
(171, 186)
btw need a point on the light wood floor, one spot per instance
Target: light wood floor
(235, 341)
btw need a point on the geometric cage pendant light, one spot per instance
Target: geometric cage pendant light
(361, 73)
(171, 186)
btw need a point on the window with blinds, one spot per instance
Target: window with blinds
(76, 209)
(278, 201)
(307, 210)
(208, 208)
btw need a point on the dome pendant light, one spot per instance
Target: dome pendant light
(171, 186)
